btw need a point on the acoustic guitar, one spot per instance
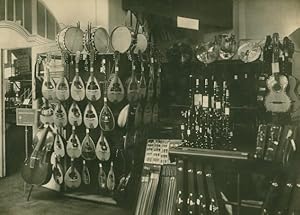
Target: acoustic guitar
(72, 176)
(47, 113)
(90, 117)
(77, 86)
(102, 148)
(86, 177)
(88, 147)
(142, 85)
(60, 115)
(115, 91)
(93, 90)
(59, 146)
(62, 86)
(102, 178)
(277, 99)
(111, 180)
(106, 117)
(37, 169)
(73, 145)
(48, 86)
(74, 115)
(57, 170)
(132, 88)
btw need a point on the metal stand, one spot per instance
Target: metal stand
(26, 153)
(29, 193)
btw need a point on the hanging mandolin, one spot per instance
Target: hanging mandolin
(132, 88)
(62, 86)
(48, 86)
(90, 117)
(72, 176)
(115, 90)
(77, 86)
(60, 115)
(102, 148)
(73, 145)
(86, 177)
(88, 147)
(106, 117)
(74, 115)
(93, 91)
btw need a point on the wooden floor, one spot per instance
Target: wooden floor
(44, 202)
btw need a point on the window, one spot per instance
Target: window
(28, 15)
(19, 11)
(41, 19)
(10, 10)
(50, 26)
(2, 9)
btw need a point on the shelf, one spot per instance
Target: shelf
(195, 152)
(92, 197)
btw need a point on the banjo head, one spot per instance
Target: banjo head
(121, 39)
(141, 43)
(70, 39)
(100, 39)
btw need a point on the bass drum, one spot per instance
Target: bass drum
(99, 40)
(70, 39)
(121, 39)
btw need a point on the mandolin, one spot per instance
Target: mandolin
(73, 145)
(147, 116)
(123, 115)
(138, 116)
(90, 117)
(102, 148)
(132, 88)
(102, 178)
(62, 86)
(111, 181)
(60, 115)
(47, 113)
(115, 90)
(88, 147)
(72, 176)
(106, 117)
(59, 146)
(37, 169)
(48, 86)
(86, 178)
(142, 85)
(57, 170)
(77, 86)
(277, 99)
(74, 115)
(93, 91)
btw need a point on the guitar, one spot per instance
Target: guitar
(147, 116)
(277, 100)
(158, 82)
(72, 176)
(73, 145)
(288, 50)
(106, 117)
(37, 169)
(132, 88)
(115, 91)
(155, 112)
(77, 86)
(47, 113)
(48, 86)
(150, 87)
(102, 178)
(57, 170)
(62, 87)
(102, 148)
(88, 147)
(74, 115)
(138, 115)
(86, 178)
(93, 90)
(111, 181)
(60, 115)
(59, 146)
(123, 115)
(90, 117)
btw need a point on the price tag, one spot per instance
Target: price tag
(25, 116)
(227, 111)
(117, 69)
(218, 105)
(205, 101)
(197, 99)
(26, 101)
(275, 67)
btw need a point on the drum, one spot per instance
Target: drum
(99, 40)
(121, 39)
(141, 43)
(70, 39)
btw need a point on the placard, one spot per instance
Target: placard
(25, 116)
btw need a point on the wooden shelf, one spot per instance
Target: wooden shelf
(92, 197)
(195, 152)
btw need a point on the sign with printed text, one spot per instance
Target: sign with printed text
(25, 116)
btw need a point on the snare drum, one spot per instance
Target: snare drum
(99, 40)
(70, 39)
(121, 39)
